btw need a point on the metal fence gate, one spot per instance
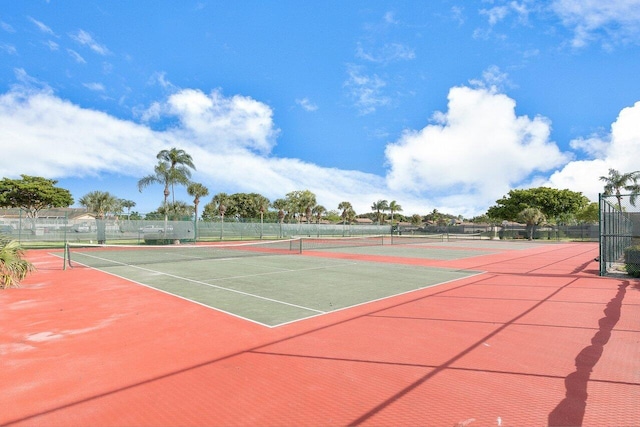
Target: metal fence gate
(619, 230)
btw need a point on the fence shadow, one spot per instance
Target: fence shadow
(572, 408)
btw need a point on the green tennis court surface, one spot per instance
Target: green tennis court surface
(414, 251)
(269, 289)
(428, 249)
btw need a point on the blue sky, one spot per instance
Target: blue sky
(438, 105)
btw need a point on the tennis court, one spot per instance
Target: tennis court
(537, 338)
(271, 283)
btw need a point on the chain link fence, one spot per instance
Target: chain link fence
(584, 232)
(619, 235)
(55, 231)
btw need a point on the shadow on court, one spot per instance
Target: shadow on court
(570, 412)
(526, 343)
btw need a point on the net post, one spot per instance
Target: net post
(66, 256)
(300, 251)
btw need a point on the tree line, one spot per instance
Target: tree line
(174, 168)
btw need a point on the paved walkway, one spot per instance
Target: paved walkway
(539, 339)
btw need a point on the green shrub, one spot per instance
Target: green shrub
(632, 260)
(12, 267)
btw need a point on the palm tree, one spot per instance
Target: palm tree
(318, 211)
(347, 214)
(162, 175)
(380, 205)
(301, 203)
(127, 204)
(281, 205)
(532, 217)
(179, 161)
(100, 203)
(173, 168)
(176, 210)
(196, 190)
(263, 205)
(617, 181)
(222, 208)
(394, 207)
(13, 268)
(345, 207)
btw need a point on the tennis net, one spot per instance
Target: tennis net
(113, 255)
(418, 239)
(320, 243)
(100, 256)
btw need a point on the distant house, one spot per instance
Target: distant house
(51, 214)
(363, 221)
(14, 219)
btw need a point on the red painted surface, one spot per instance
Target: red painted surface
(539, 339)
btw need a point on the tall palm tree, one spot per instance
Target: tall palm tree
(174, 167)
(616, 182)
(100, 203)
(318, 211)
(128, 204)
(380, 205)
(282, 206)
(263, 205)
(161, 175)
(221, 200)
(13, 268)
(196, 190)
(394, 207)
(179, 161)
(301, 203)
(345, 207)
(176, 210)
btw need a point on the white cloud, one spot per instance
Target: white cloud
(390, 52)
(236, 123)
(229, 137)
(160, 78)
(306, 104)
(611, 21)
(389, 18)
(620, 149)
(7, 27)
(46, 136)
(8, 48)
(52, 45)
(42, 27)
(493, 79)
(495, 14)
(85, 39)
(76, 56)
(96, 87)
(30, 83)
(594, 146)
(473, 153)
(365, 90)
(466, 158)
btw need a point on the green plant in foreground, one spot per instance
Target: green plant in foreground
(632, 260)
(13, 268)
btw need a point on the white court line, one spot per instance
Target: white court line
(199, 282)
(318, 312)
